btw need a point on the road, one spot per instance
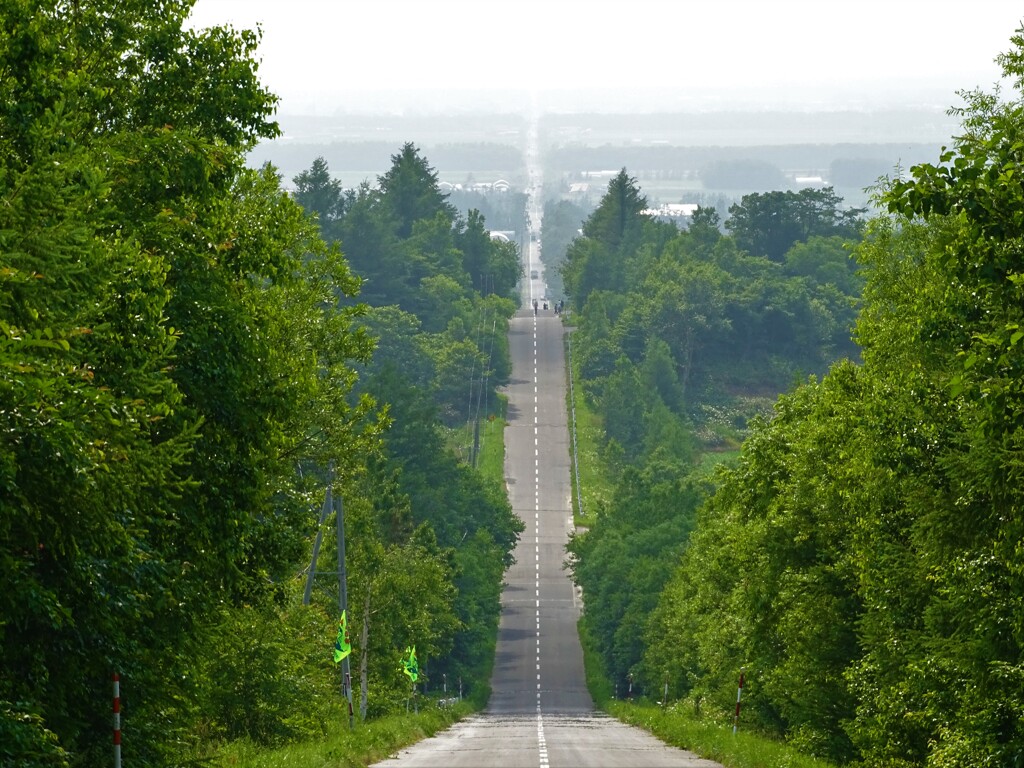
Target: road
(540, 714)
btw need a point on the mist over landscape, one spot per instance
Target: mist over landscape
(672, 146)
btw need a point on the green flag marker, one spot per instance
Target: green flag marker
(410, 666)
(342, 646)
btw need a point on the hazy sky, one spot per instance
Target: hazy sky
(314, 50)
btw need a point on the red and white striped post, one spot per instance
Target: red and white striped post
(739, 694)
(117, 720)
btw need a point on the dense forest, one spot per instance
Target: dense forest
(185, 354)
(860, 559)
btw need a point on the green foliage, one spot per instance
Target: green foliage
(559, 227)
(493, 265)
(767, 581)
(364, 745)
(596, 478)
(677, 328)
(321, 195)
(612, 235)
(434, 537)
(265, 674)
(25, 741)
(768, 224)
(410, 192)
(170, 347)
(503, 210)
(862, 560)
(620, 561)
(713, 740)
(742, 174)
(708, 734)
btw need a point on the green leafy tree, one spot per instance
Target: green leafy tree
(825, 261)
(768, 582)
(611, 236)
(493, 265)
(704, 230)
(409, 190)
(768, 224)
(955, 300)
(560, 226)
(620, 561)
(367, 235)
(169, 348)
(321, 195)
(862, 559)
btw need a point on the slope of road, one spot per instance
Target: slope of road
(540, 713)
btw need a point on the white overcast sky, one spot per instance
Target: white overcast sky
(313, 50)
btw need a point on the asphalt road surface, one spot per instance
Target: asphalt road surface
(540, 714)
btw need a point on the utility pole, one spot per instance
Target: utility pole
(324, 511)
(330, 503)
(346, 673)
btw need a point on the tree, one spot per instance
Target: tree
(170, 346)
(367, 235)
(410, 192)
(768, 581)
(768, 224)
(685, 303)
(560, 226)
(611, 235)
(953, 291)
(825, 261)
(742, 174)
(618, 214)
(620, 561)
(704, 230)
(493, 265)
(321, 195)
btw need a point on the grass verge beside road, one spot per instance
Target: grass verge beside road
(491, 459)
(365, 744)
(679, 726)
(711, 740)
(597, 484)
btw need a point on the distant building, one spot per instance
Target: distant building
(674, 211)
(491, 186)
(809, 181)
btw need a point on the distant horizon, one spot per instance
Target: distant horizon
(868, 96)
(325, 57)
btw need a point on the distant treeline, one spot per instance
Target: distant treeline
(693, 128)
(844, 165)
(356, 161)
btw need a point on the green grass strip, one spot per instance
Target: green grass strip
(365, 744)
(597, 481)
(491, 461)
(711, 740)
(679, 726)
